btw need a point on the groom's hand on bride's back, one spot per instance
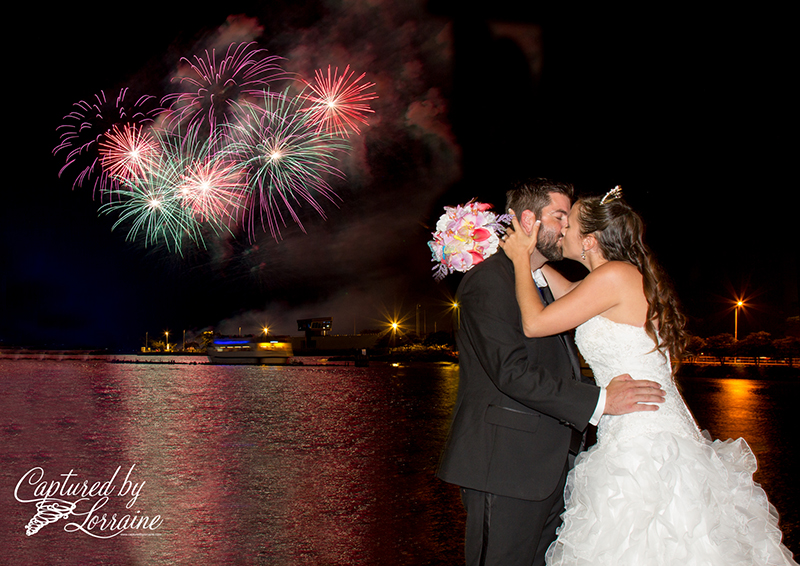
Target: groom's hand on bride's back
(627, 395)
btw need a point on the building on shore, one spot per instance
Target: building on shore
(317, 336)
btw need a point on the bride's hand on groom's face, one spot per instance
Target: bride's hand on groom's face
(627, 395)
(516, 243)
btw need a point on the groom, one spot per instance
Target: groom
(521, 404)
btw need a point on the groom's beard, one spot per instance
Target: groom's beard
(549, 244)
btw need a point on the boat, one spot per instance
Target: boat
(262, 350)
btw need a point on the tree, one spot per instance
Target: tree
(720, 345)
(788, 347)
(696, 346)
(440, 338)
(757, 344)
(793, 326)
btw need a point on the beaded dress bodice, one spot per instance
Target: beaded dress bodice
(611, 349)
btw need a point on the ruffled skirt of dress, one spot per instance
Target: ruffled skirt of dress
(667, 500)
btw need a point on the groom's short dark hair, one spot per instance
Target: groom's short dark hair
(534, 195)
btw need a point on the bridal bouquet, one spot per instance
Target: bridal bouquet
(465, 236)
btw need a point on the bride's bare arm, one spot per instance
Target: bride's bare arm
(597, 293)
(559, 285)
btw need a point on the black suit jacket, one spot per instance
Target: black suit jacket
(518, 399)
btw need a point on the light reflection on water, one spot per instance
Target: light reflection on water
(247, 465)
(280, 465)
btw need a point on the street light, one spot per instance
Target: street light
(166, 333)
(458, 315)
(394, 325)
(739, 305)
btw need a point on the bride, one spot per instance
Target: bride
(653, 489)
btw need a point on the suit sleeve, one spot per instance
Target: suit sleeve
(492, 327)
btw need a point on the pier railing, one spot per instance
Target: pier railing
(742, 361)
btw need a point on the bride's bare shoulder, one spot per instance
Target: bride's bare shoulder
(624, 282)
(618, 272)
(616, 280)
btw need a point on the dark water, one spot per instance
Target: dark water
(274, 465)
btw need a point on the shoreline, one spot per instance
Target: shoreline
(684, 370)
(187, 358)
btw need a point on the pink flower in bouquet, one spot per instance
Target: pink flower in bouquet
(465, 236)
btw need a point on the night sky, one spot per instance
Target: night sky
(688, 111)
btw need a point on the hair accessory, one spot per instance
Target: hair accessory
(465, 236)
(613, 194)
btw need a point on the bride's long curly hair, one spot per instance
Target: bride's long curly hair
(619, 232)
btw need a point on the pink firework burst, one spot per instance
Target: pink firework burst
(211, 85)
(213, 191)
(127, 151)
(337, 103)
(88, 123)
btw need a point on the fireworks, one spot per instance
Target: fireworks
(85, 127)
(227, 150)
(151, 203)
(127, 151)
(212, 189)
(337, 105)
(186, 190)
(212, 85)
(285, 159)
(208, 185)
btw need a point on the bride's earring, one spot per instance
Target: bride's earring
(583, 254)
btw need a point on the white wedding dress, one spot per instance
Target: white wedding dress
(654, 490)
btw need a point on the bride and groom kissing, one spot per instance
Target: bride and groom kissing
(653, 489)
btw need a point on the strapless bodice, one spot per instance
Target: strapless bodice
(611, 349)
